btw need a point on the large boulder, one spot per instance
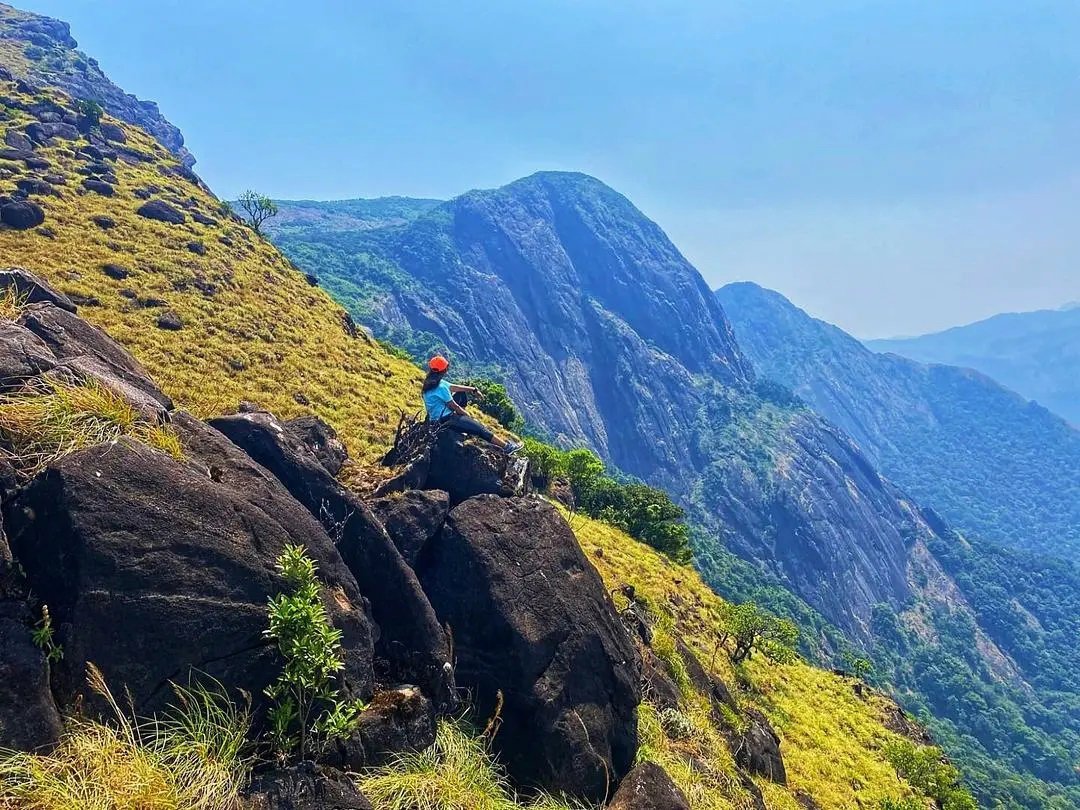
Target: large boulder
(648, 787)
(69, 337)
(411, 641)
(28, 716)
(464, 468)
(530, 618)
(22, 355)
(32, 289)
(153, 570)
(757, 749)
(303, 787)
(412, 518)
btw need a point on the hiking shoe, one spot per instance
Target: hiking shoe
(513, 447)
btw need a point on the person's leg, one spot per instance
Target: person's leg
(468, 425)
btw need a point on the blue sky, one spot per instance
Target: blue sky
(893, 167)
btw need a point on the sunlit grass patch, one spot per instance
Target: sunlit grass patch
(456, 773)
(193, 758)
(11, 304)
(48, 419)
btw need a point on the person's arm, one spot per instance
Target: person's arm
(453, 406)
(468, 389)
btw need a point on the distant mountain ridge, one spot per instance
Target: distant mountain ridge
(1035, 353)
(984, 457)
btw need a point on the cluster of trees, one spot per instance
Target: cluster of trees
(645, 513)
(925, 769)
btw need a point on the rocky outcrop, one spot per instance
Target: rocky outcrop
(411, 640)
(531, 622)
(62, 65)
(115, 540)
(648, 787)
(303, 787)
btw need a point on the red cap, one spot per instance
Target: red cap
(438, 364)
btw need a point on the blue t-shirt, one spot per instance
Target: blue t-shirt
(435, 401)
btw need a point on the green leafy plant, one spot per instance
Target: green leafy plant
(44, 639)
(308, 711)
(257, 208)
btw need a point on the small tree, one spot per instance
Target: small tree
(751, 628)
(308, 711)
(257, 207)
(858, 665)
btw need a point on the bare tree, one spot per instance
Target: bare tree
(258, 208)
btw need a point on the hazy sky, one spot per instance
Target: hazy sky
(893, 166)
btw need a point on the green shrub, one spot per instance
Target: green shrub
(90, 113)
(645, 513)
(308, 712)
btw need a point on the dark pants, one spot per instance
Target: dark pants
(465, 424)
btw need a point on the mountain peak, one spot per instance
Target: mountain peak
(40, 49)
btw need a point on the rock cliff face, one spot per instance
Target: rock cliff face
(605, 335)
(42, 49)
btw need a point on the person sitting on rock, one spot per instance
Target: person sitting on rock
(445, 404)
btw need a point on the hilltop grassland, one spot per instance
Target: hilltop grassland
(252, 326)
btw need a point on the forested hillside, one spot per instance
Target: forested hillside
(992, 463)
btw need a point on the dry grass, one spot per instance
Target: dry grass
(254, 329)
(832, 739)
(192, 759)
(456, 773)
(11, 304)
(49, 419)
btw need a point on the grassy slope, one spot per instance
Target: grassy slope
(286, 338)
(832, 739)
(265, 335)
